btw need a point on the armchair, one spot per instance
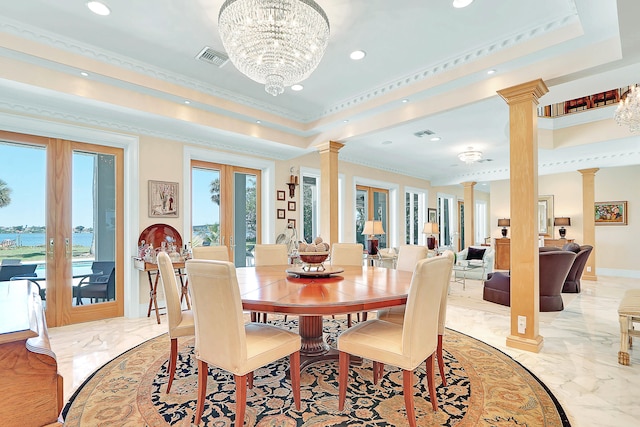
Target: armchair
(485, 259)
(101, 284)
(572, 282)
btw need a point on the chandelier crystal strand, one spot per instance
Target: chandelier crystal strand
(274, 42)
(628, 111)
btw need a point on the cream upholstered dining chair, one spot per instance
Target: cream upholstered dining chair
(404, 345)
(344, 255)
(269, 254)
(396, 315)
(217, 253)
(409, 255)
(180, 322)
(232, 345)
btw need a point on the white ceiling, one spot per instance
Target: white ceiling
(423, 51)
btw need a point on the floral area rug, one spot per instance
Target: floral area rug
(485, 387)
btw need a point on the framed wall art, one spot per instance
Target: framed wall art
(281, 214)
(611, 213)
(291, 206)
(163, 199)
(281, 195)
(291, 223)
(432, 215)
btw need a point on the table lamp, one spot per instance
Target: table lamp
(504, 223)
(562, 222)
(371, 228)
(430, 228)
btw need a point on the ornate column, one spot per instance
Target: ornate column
(469, 213)
(588, 220)
(329, 190)
(525, 281)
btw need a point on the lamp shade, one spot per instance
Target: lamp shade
(430, 228)
(504, 222)
(562, 221)
(372, 228)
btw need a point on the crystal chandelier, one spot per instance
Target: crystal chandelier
(274, 42)
(628, 111)
(470, 156)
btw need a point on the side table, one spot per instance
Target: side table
(152, 269)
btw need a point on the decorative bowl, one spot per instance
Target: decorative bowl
(313, 260)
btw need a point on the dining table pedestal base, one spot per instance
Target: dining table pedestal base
(314, 348)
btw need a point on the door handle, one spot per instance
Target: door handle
(51, 248)
(222, 240)
(67, 247)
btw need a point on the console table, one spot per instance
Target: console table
(151, 269)
(30, 386)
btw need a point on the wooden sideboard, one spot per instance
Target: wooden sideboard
(558, 243)
(503, 254)
(30, 386)
(503, 250)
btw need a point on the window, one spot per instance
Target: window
(310, 207)
(371, 204)
(415, 216)
(480, 222)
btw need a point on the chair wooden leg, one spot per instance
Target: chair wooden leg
(250, 380)
(407, 390)
(376, 371)
(203, 373)
(241, 398)
(343, 378)
(294, 372)
(431, 384)
(348, 320)
(173, 358)
(441, 361)
(254, 316)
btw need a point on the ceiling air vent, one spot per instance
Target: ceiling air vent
(214, 57)
(424, 133)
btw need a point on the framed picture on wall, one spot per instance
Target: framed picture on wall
(281, 194)
(281, 214)
(291, 223)
(163, 199)
(291, 206)
(611, 213)
(432, 215)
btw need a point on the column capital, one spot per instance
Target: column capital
(529, 91)
(469, 184)
(329, 146)
(591, 171)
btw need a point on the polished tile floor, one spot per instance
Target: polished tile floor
(578, 361)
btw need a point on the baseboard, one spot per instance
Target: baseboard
(613, 272)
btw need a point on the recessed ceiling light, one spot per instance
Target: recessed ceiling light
(84, 74)
(186, 101)
(258, 121)
(461, 3)
(491, 72)
(404, 101)
(436, 138)
(297, 87)
(98, 8)
(387, 142)
(357, 55)
(345, 121)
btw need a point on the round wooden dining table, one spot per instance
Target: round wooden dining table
(270, 289)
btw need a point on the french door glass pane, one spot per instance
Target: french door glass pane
(309, 208)
(380, 209)
(362, 215)
(205, 207)
(246, 218)
(23, 172)
(93, 220)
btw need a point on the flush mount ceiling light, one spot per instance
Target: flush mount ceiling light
(628, 111)
(297, 87)
(470, 156)
(357, 55)
(98, 8)
(458, 4)
(274, 42)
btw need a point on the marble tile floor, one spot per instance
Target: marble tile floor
(578, 362)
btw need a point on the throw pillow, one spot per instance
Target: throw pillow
(475, 253)
(573, 247)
